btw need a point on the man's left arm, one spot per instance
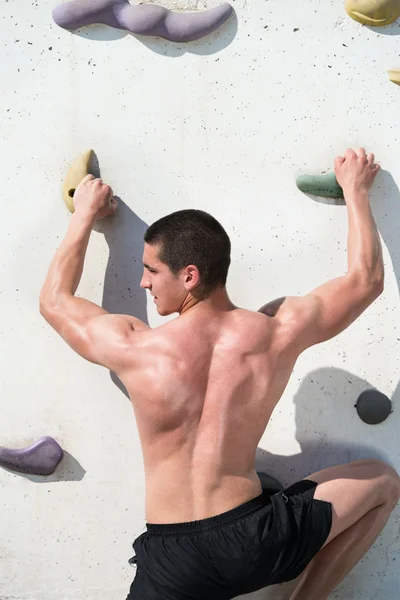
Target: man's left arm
(91, 331)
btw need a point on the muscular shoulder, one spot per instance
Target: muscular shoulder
(252, 318)
(253, 327)
(164, 339)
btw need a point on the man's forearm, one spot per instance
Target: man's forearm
(363, 246)
(66, 267)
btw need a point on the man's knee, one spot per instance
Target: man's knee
(392, 480)
(385, 476)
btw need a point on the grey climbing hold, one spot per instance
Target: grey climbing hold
(373, 407)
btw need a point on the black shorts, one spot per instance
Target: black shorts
(265, 541)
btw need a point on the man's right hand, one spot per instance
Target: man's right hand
(356, 171)
(94, 198)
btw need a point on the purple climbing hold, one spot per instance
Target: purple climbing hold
(41, 458)
(142, 19)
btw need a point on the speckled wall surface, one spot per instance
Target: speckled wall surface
(225, 124)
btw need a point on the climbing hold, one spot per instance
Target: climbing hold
(394, 75)
(373, 407)
(269, 483)
(320, 185)
(41, 458)
(142, 19)
(77, 171)
(373, 12)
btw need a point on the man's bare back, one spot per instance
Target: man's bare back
(203, 388)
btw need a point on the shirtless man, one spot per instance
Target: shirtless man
(203, 387)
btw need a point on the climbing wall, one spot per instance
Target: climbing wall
(226, 124)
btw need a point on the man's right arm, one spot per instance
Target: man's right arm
(332, 307)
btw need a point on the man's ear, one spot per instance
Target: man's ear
(192, 277)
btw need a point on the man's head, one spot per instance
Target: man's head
(185, 252)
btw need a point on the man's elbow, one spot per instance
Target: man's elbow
(45, 310)
(374, 289)
(48, 306)
(377, 284)
(370, 286)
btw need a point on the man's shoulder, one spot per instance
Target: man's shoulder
(253, 325)
(253, 316)
(265, 328)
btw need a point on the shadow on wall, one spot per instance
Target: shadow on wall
(325, 403)
(391, 29)
(210, 44)
(386, 209)
(122, 293)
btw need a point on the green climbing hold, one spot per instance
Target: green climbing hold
(320, 185)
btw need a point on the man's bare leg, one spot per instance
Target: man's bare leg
(363, 495)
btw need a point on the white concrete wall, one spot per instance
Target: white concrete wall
(224, 124)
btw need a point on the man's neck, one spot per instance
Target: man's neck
(188, 303)
(217, 300)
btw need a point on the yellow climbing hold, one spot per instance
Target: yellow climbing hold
(77, 171)
(394, 75)
(373, 12)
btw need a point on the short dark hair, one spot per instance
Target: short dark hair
(193, 237)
